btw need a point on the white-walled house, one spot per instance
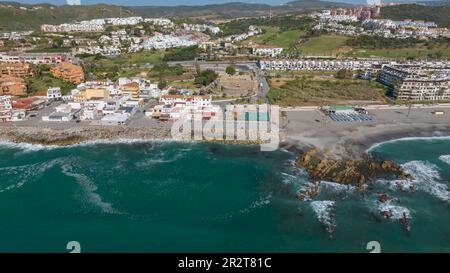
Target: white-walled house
(54, 93)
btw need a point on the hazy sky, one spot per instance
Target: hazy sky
(177, 2)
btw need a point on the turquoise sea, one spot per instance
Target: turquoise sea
(188, 197)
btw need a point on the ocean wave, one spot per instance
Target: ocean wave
(28, 147)
(376, 145)
(395, 212)
(324, 211)
(90, 188)
(445, 159)
(394, 185)
(288, 178)
(426, 178)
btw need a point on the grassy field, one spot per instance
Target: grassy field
(273, 36)
(267, 35)
(442, 51)
(287, 38)
(114, 67)
(311, 89)
(42, 83)
(323, 45)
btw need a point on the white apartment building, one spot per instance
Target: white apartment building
(267, 50)
(201, 28)
(127, 21)
(35, 58)
(316, 64)
(167, 41)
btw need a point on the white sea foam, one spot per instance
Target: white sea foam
(396, 212)
(26, 147)
(37, 147)
(376, 145)
(324, 211)
(288, 178)
(90, 189)
(426, 178)
(264, 200)
(445, 159)
(336, 187)
(25, 173)
(394, 185)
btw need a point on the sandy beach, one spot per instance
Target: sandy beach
(310, 128)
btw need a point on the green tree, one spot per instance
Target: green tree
(344, 74)
(231, 70)
(162, 83)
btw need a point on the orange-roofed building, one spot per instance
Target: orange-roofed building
(131, 88)
(16, 69)
(68, 72)
(14, 86)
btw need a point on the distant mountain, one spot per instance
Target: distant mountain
(438, 14)
(235, 9)
(434, 3)
(308, 4)
(18, 16)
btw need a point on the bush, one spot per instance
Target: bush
(206, 77)
(182, 54)
(230, 70)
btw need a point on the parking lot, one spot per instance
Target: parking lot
(350, 116)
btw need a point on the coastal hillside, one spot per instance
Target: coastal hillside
(438, 14)
(16, 16)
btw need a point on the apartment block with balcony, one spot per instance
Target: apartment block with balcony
(13, 86)
(416, 83)
(16, 69)
(68, 72)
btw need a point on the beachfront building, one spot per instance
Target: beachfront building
(173, 107)
(68, 72)
(266, 50)
(14, 86)
(28, 104)
(63, 113)
(5, 108)
(15, 69)
(409, 82)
